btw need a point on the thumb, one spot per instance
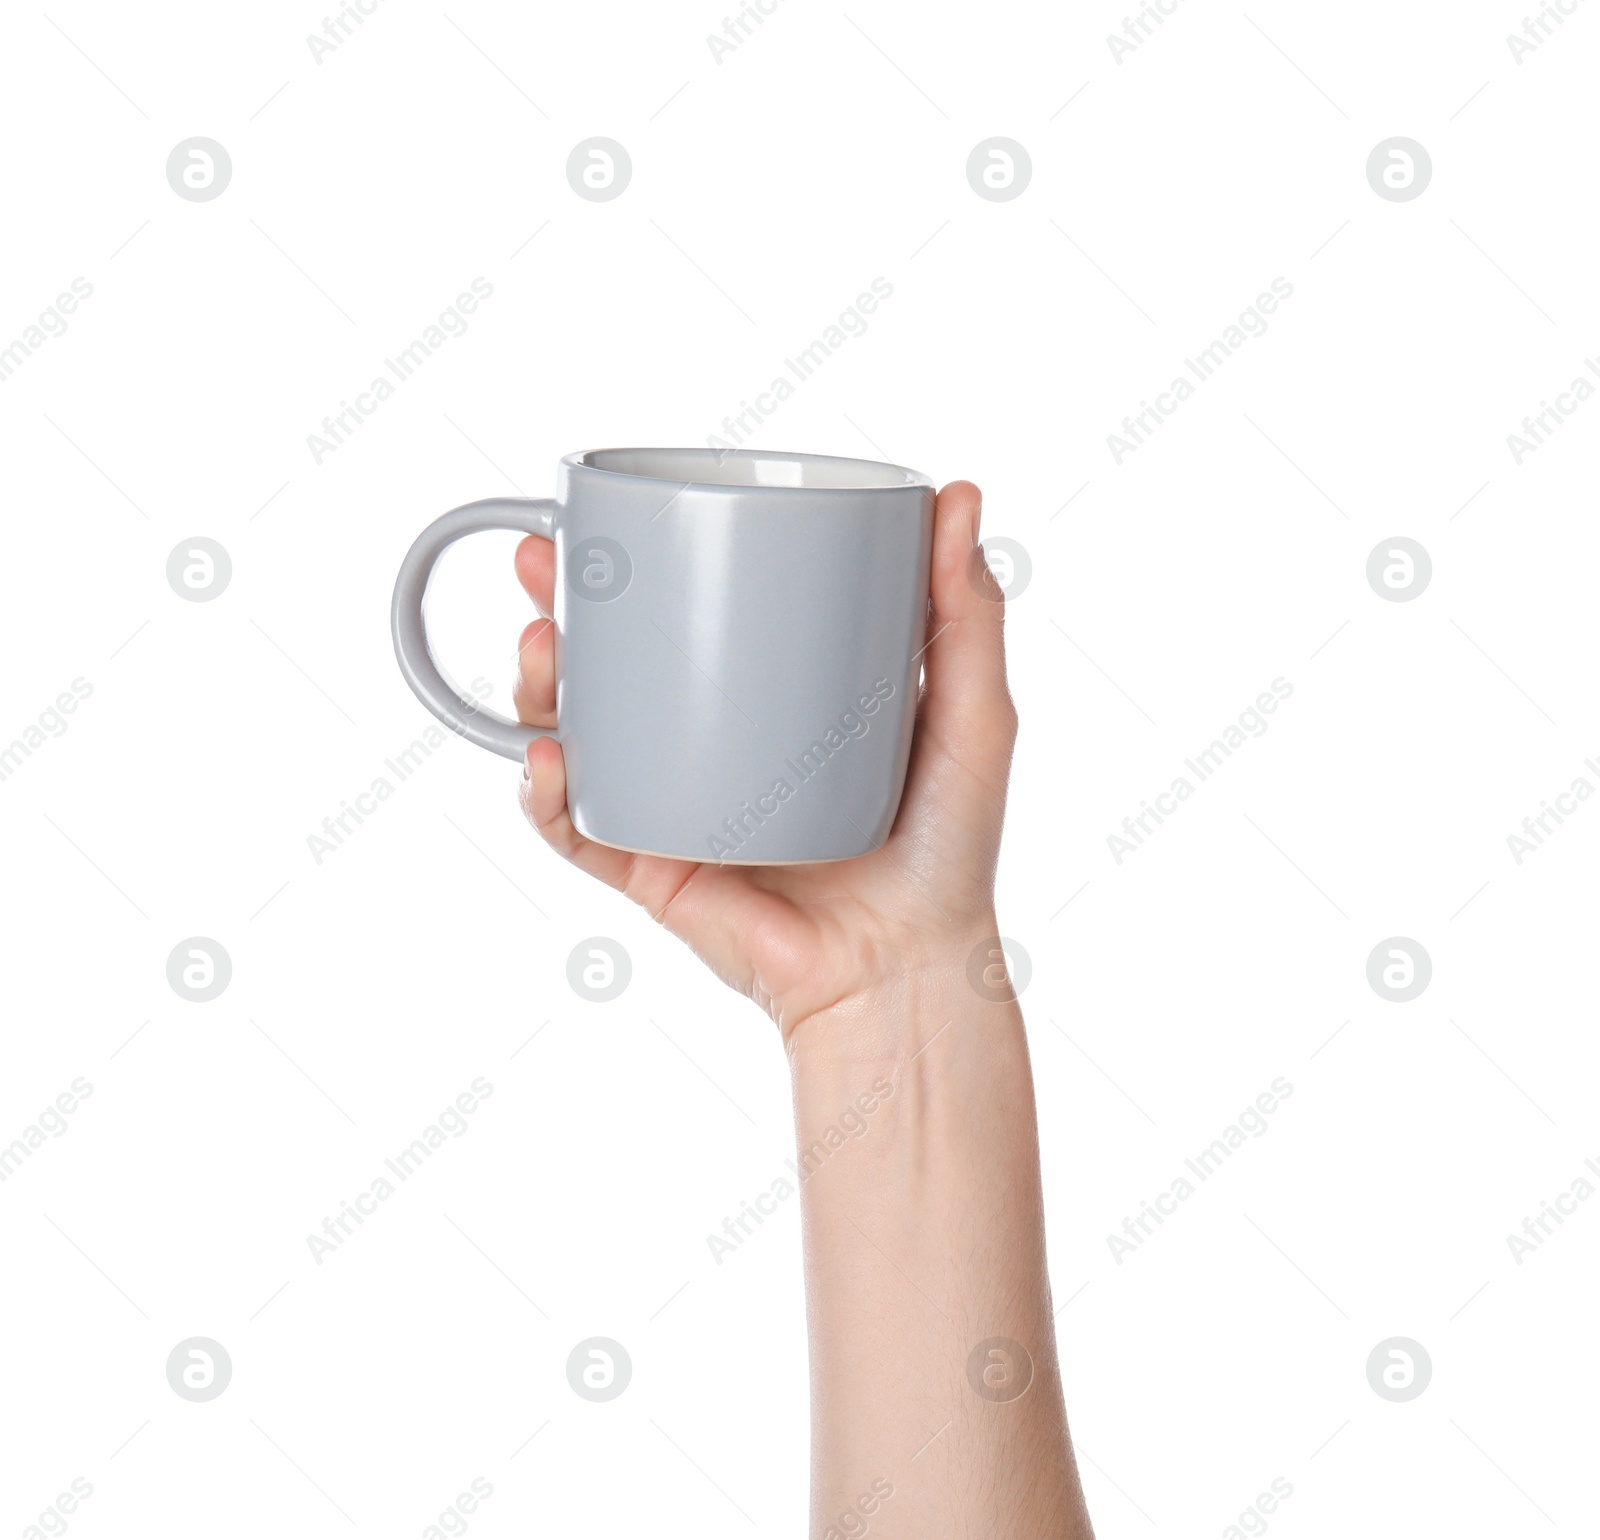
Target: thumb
(966, 704)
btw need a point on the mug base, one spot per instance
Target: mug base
(731, 860)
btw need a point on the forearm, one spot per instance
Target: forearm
(924, 1242)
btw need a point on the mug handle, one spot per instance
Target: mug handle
(477, 724)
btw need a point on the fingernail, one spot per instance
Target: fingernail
(977, 520)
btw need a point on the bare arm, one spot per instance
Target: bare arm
(933, 1366)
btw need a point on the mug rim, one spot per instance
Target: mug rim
(586, 460)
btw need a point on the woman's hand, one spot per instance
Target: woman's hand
(801, 939)
(924, 1232)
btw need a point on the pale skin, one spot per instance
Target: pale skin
(924, 1234)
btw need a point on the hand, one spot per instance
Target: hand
(802, 939)
(862, 965)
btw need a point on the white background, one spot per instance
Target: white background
(429, 149)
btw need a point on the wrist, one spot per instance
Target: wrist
(941, 1005)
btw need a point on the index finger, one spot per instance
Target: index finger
(536, 571)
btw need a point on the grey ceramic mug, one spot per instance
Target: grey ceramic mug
(738, 645)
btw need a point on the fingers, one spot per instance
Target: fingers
(966, 703)
(653, 882)
(544, 787)
(544, 801)
(716, 910)
(533, 692)
(536, 571)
